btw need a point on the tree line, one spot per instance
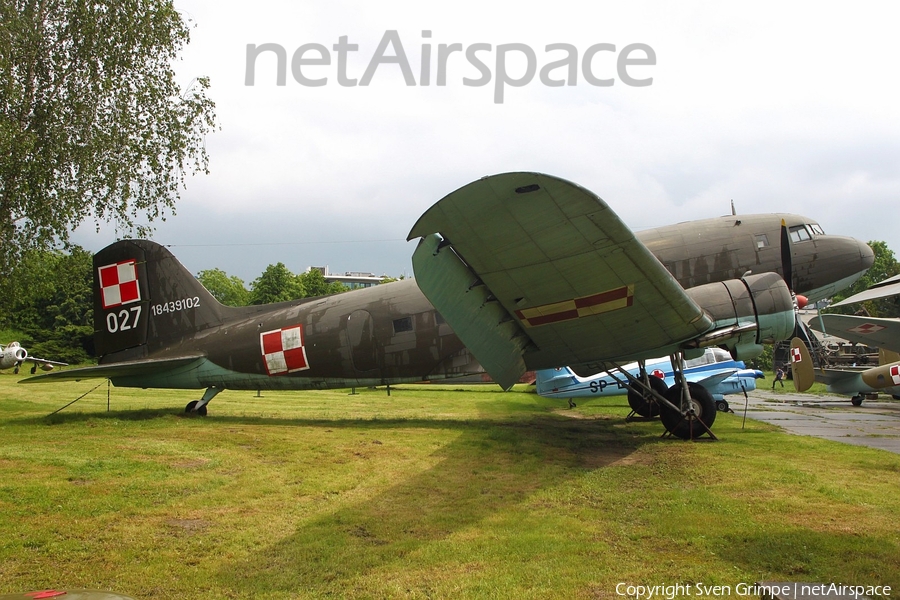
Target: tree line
(48, 299)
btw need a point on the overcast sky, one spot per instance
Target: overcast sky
(782, 107)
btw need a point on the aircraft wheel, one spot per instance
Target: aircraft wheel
(722, 406)
(189, 409)
(647, 406)
(704, 408)
(895, 396)
(856, 400)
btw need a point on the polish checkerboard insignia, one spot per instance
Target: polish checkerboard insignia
(658, 373)
(895, 374)
(796, 356)
(866, 328)
(577, 308)
(119, 284)
(283, 351)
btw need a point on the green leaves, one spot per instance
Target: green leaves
(885, 266)
(92, 123)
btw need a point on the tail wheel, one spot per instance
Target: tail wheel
(856, 400)
(191, 408)
(704, 409)
(643, 403)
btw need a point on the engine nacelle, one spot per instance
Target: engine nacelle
(747, 313)
(14, 353)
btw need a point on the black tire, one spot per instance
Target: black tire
(647, 406)
(856, 400)
(895, 396)
(704, 408)
(190, 406)
(722, 406)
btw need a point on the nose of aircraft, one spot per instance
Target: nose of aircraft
(866, 255)
(835, 263)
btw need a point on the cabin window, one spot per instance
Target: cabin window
(762, 240)
(403, 325)
(799, 233)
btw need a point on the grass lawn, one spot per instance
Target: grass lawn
(431, 492)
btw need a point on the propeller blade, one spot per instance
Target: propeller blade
(801, 366)
(786, 260)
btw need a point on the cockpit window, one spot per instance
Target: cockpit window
(816, 229)
(800, 233)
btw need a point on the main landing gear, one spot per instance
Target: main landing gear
(198, 407)
(641, 398)
(687, 412)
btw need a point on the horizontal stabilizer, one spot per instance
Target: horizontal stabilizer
(121, 369)
(710, 381)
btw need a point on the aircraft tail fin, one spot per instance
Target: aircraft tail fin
(144, 299)
(886, 357)
(548, 380)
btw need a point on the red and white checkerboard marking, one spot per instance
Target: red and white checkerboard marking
(658, 373)
(119, 284)
(866, 329)
(796, 356)
(895, 374)
(283, 350)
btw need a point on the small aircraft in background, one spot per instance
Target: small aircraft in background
(880, 333)
(513, 272)
(715, 370)
(13, 355)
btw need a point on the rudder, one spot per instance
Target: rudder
(145, 299)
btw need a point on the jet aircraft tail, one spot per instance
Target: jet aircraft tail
(144, 300)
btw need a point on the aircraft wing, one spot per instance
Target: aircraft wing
(536, 272)
(832, 376)
(710, 379)
(43, 361)
(883, 289)
(879, 333)
(121, 369)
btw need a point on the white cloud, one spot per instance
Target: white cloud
(781, 107)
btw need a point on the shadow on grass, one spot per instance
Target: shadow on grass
(486, 475)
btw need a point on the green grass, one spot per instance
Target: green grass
(432, 492)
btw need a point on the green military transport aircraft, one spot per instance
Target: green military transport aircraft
(513, 272)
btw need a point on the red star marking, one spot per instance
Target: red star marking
(283, 351)
(119, 284)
